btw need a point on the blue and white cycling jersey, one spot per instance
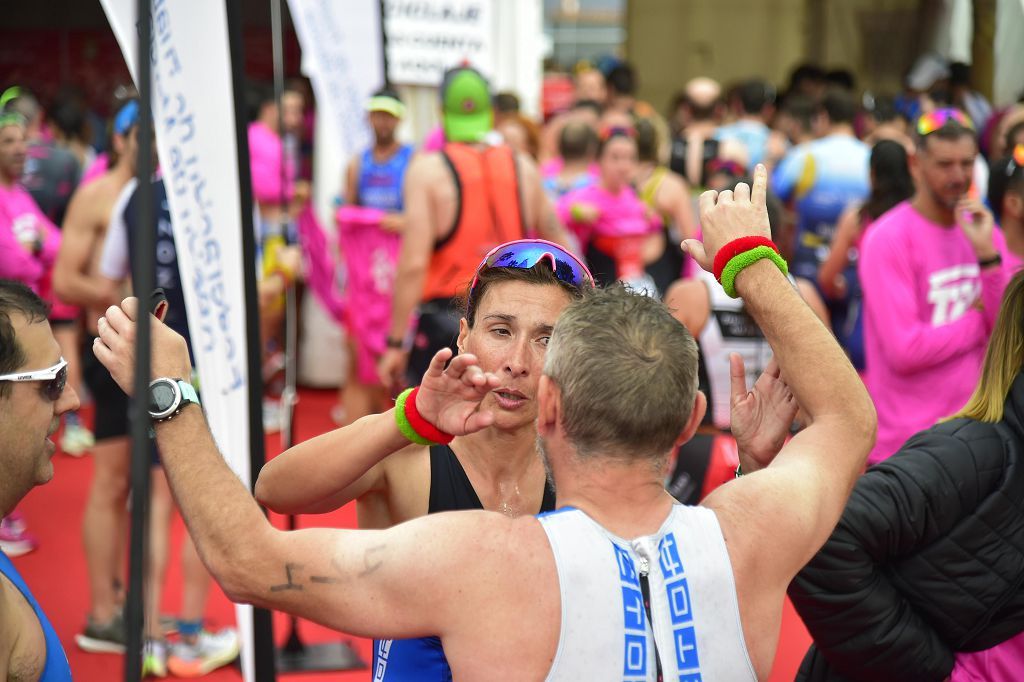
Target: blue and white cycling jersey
(822, 178)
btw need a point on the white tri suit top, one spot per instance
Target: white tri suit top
(682, 573)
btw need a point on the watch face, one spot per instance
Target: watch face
(162, 395)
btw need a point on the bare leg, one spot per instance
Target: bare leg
(103, 524)
(161, 508)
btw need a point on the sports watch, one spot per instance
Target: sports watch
(168, 396)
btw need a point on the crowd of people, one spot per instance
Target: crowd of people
(609, 317)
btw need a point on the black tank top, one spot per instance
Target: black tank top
(450, 489)
(677, 159)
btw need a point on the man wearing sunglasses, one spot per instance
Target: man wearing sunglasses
(932, 273)
(33, 396)
(563, 596)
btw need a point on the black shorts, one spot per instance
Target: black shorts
(110, 402)
(438, 327)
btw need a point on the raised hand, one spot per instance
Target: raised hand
(977, 223)
(728, 215)
(761, 416)
(115, 346)
(451, 398)
(391, 368)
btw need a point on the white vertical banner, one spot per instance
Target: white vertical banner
(343, 57)
(1008, 79)
(518, 43)
(194, 121)
(954, 31)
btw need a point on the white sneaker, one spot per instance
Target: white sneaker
(76, 439)
(154, 658)
(210, 651)
(272, 415)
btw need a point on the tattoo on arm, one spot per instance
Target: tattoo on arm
(324, 580)
(293, 583)
(290, 585)
(370, 564)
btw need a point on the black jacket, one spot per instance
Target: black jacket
(927, 560)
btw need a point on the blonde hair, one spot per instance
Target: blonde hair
(1004, 358)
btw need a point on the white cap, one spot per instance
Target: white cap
(928, 68)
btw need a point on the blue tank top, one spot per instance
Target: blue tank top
(380, 184)
(822, 178)
(56, 668)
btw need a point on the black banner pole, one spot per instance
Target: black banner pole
(384, 43)
(263, 629)
(143, 265)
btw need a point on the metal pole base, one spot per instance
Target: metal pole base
(319, 657)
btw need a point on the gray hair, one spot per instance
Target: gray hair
(627, 371)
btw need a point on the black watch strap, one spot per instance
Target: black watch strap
(989, 262)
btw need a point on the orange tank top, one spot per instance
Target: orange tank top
(488, 212)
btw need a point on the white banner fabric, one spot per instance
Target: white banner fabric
(194, 120)
(343, 58)
(427, 37)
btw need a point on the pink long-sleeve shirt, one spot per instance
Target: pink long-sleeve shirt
(924, 335)
(265, 159)
(21, 221)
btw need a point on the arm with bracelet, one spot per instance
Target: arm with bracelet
(326, 472)
(798, 497)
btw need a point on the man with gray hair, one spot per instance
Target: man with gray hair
(621, 582)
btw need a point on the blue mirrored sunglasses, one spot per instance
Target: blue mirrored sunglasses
(523, 254)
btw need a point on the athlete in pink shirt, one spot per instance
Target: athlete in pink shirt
(608, 217)
(933, 273)
(28, 240)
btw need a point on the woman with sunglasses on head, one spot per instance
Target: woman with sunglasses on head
(515, 298)
(618, 232)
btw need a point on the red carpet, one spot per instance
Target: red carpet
(57, 575)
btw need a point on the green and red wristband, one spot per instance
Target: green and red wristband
(411, 423)
(740, 253)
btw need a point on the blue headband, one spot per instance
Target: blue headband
(127, 117)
